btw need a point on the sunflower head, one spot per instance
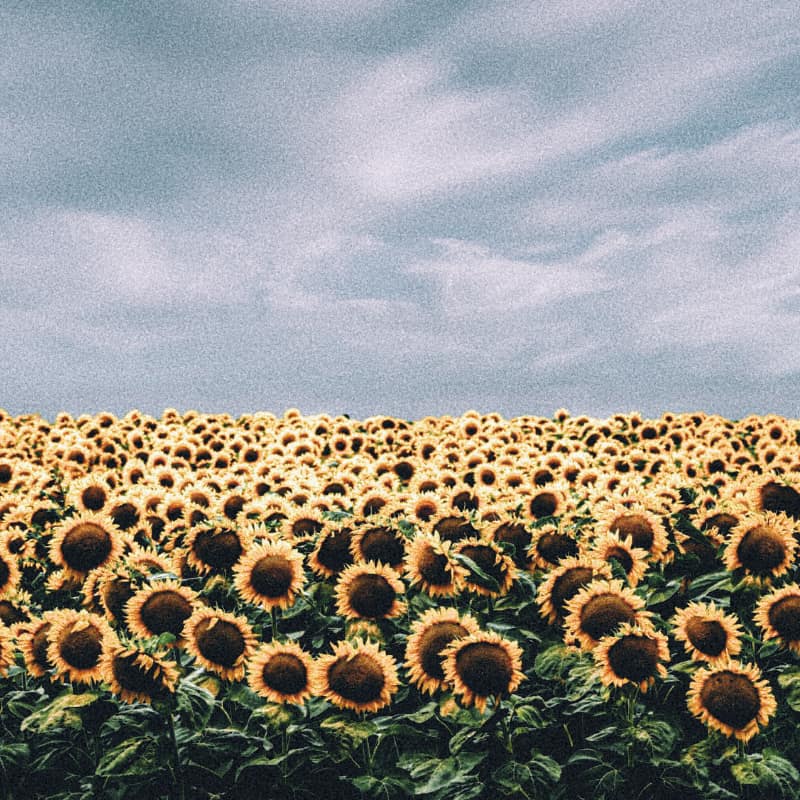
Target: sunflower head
(84, 543)
(549, 545)
(380, 543)
(76, 642)
(429, 636)
(369, 591)
(598, 609)
(763, 545)
(6, 649)
(357, 675)
(160, 607)
(270, 574)
(481, 666)
(778, 616)
(633, 560)
(332, 551)
(564, 582)
(214, 550)
(430, 564)
(136, 676)
(707, 632)
(634, 654)
(221, 642)
(491, 560)
(281, 672)
(732, 698)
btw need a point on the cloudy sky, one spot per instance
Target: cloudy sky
(400, 206)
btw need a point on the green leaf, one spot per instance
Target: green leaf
(348, 732)
(483, 578)
(59, 713)
(771, 772)
(137, 756)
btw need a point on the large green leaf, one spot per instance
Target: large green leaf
(62, 712)
(132, 757)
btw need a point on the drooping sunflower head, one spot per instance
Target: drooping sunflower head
(429, 636)
(136, 676)
(634, 654)
(732, 698)
(160, 607)
(513, 531)
(221, 642)
(641, 526)
(383, 544)
(492, 561)
(270, 574)
(369, 591)
(281, 672)
(778, 616)
(332, 551)
(430, 564)
(357, 675)
(633, 560)
(550, 544)
(481, 666)
(707, 632)
(32, 639)
(598, 609)
(763, 545)
(83, 543)
(564, 582)
(213, 550)
(76, 642)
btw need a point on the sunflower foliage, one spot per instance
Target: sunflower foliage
(196, 606)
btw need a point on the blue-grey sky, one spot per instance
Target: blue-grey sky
(399, 206)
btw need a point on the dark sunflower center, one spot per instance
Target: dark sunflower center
(637, 527)
(543, 505)
(784, 616)
(371, 596)
(731, 698)
(761, 550)
(334, 551)
(777, 497)
(622, 555)
(219, 641)
(94, 497)
(11, 614)
(721, 522)
(707, 635)
(634, 658)
(135, 678)
(359, 679)
(484, 668)
(271, 576)
(86, 546)
(566, 586)
(433, 641)
(517, 535)
(125, 516)
(453, 529)
(486, 558)
(165, 612)
(552, 547)
(285, 673)
(81, 649)
(424, 510)
(220, 550)
(5, 573)
(434, 567)
(382, 545)
(115, 594)
(39, 644)
(604, 613)
(306, 527)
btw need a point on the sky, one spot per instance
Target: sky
(400, 207)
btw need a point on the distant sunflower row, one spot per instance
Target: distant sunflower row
(328, 557)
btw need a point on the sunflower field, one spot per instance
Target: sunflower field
(198, 606)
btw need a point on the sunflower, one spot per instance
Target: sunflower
(136, 676)
(642, 526)
(429, 564)
(76, 642)
(332, 551)
(9, 571)
(763, 545)
(633, 560)
(6, 649)
(369, 591)
(549, 545)
(634, 654)
(491, 560)
(357, 675)
(707, 632)
(732, 698)
(564, 582)
(482, 665)
(513, 531)
(281, 672)
(776, 494)
(221, 642)
(429, 635)
(270, 575)
(89, 495)
(33, 643)
(778, 616)
(548, 501)
(160, 607)
(379, 543)
(212, 550)
(598, 609)
(15, 607)
(83, 543)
